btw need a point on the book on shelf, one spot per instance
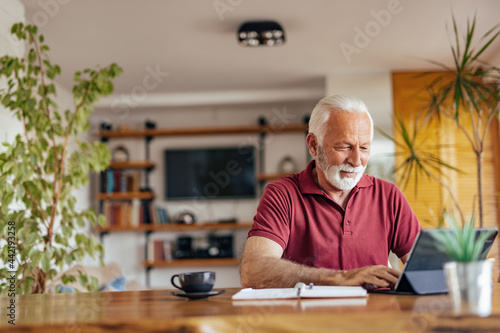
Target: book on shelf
(146, 212)
(133, 180)
(133, 213)
(118, 180)
(117, 213)
(163, 216)
(159, 250)
(109, 181)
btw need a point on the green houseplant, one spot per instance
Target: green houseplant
(469, 96)
(461, 244)
(41, 228)
(464, 97)
(419, 160)
(468, 276)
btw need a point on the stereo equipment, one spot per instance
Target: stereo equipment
(184, 248)
(211, 246)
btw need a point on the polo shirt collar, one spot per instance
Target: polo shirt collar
(307, 184)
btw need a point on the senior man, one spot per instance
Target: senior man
(330, 224)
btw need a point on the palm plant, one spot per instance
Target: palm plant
(469, 94)
(419, 160)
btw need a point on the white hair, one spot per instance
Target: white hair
(335, 103)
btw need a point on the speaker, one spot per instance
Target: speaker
(184, 248)
(220, 246)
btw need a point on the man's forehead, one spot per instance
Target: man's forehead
(349, 123)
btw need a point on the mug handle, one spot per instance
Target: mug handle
(173, 283)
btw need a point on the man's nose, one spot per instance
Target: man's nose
(355, 158)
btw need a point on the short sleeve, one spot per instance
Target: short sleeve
(272, 219)
(406, 225)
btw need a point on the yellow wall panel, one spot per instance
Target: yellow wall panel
(447, 141)
(454, 148)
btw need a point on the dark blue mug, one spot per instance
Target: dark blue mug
(194, 282)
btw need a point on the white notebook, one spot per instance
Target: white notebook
(307, 292)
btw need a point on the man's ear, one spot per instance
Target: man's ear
(312, 144)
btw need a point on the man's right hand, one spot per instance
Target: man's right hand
(262, 266)
(370, 277)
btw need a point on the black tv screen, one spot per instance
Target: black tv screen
(211, 173)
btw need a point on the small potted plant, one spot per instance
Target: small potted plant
(468, 275)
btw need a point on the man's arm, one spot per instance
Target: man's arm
(263, 267)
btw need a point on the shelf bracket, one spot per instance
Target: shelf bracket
(101, 236)
(305, 120)
(147, 234)
(148, 276)
(262, 147)
(148, 140)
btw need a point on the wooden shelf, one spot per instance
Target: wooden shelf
(117, 228)
(145, 166)
(201, 226)
(178, 227)
(193, 262)
(203, 131)
(125, 195)
(271, 176)
(132, 165)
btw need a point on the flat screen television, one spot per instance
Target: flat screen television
(210, 173)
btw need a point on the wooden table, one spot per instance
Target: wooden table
(160, 311)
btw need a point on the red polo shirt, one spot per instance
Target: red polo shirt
(315, 231)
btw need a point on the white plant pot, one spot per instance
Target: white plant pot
(470, 286)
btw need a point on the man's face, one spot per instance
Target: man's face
(345, 150)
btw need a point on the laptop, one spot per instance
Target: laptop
(423, 273)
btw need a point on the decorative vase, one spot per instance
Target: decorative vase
(470, 286)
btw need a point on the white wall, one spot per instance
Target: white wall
(375, 89)
(127, 249)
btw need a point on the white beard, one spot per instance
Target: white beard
(332, 172)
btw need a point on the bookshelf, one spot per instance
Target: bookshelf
(178, 227)
(125, 195)
(145, 194)
(204, 131)
(192, 262)
(132, 165)
(148, 229)
(262, 130)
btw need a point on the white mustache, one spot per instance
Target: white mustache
(348, 168)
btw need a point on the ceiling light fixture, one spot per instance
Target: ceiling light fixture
(261, 33)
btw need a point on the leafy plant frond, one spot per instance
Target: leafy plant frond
(418, 161)
(468, 94)
(466, 84)
(461, 244)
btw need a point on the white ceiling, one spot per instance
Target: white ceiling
(196, 44)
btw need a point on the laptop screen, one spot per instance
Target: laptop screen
(426, 255)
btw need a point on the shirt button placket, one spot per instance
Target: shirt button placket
(347, 222)
(347, 226)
